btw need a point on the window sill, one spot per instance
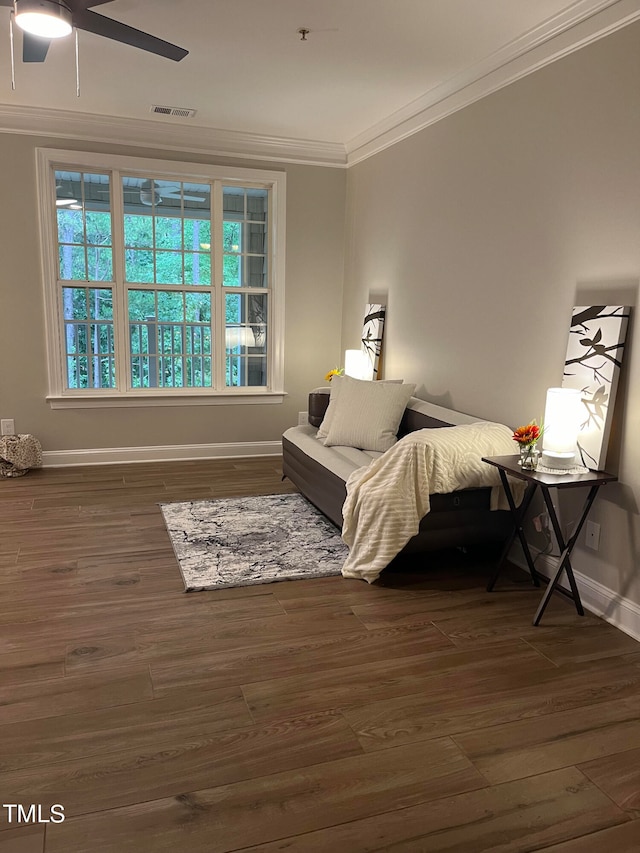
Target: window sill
(115, 401)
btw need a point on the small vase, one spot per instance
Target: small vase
(529, 456)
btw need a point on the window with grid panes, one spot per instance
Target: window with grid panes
(162, 283)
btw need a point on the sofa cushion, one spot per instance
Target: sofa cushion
(320, 399)
(334, 393)
(365, 414)
(341, 461)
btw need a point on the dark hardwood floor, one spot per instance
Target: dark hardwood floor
(417, 714)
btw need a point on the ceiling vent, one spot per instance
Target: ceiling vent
(181, 112)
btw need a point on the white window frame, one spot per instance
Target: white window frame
(58, 396)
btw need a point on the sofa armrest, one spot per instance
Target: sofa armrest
(318, 403)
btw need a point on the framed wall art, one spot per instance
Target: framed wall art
(372, 332)
(595, 351)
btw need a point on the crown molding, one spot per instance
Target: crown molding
(586, 21)
(145, 133)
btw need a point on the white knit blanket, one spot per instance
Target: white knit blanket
(386, 500)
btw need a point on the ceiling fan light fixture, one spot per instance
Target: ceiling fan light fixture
(45, 18)
(149, 196)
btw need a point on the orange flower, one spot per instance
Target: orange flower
(529, 434)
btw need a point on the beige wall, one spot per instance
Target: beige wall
(484, 230)
(314, 272)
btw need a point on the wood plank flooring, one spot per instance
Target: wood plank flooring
(417, 714)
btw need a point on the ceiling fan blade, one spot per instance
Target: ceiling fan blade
(34, 48)
(185, 197)
(100, 25)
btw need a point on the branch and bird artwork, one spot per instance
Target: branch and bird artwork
(595, 351)
(372, 331)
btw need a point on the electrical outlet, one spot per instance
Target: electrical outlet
(303, 418)
(592, 536)
(7, 426)
(537, 523)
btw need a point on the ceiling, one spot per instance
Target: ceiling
(368, 69)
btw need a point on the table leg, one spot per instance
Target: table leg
(564, 562)
(518, 513)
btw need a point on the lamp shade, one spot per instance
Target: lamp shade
(354, 363)
(239, 336)
(561, 426)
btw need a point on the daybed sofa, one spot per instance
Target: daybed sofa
(461, 518)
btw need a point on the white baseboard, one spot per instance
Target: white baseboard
(169, 453)
(597, 598)
(612, 607)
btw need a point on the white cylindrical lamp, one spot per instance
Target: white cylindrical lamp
(354, 363)
(561, 427)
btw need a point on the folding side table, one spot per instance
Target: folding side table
(508, 467)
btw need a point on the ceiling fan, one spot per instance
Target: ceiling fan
(43, 20)
(153, 193)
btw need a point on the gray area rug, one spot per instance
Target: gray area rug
(245, 541)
